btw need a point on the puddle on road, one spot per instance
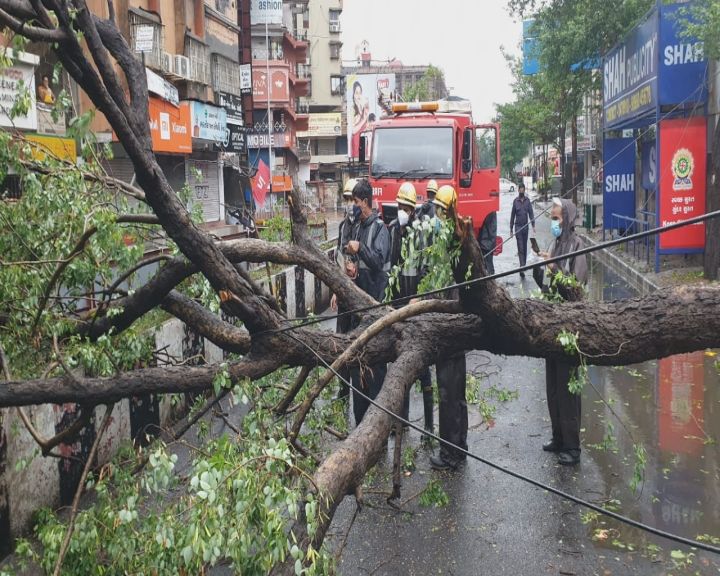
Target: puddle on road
(670, 406)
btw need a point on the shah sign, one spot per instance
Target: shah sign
(323, 124)
(683, 146)
(630, 75)
(618, 182)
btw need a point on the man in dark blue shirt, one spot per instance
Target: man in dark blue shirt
(521, 214)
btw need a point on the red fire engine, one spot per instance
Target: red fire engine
(436, 140)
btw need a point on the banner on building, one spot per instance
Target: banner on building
(232, 104)
(618, 182)
(323, 124)
(266, 12)
(169, 126)
(208, 122)
(158, 85)
(14, 80)
(683, 145)
(61, 148)
(278, 84)
(246, 79)
(261, 183)
(630, 75)
(649, 167)
(363, 109)
(235, 139)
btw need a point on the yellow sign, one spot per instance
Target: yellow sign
(61, 148)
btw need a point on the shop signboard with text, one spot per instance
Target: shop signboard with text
(683, 146)
(261, 140)
(170, 126)
(323, 124)
(630, 75)
(618, 182)
(15, 80)
(266, 11)
(208, 122)
(277, 83)
(232, 104)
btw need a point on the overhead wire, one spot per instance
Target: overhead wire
(565, 495)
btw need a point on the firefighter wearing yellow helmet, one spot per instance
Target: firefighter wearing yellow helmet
(409, 275)
(444, 199)
(428, 208)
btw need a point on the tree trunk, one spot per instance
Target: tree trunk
(711, 260)
(574, 167)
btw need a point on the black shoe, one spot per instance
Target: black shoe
(569, 457)
(552, 446)
(522, 274)
(438, 463)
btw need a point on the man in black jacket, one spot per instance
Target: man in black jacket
(520, 215)
(370, 243)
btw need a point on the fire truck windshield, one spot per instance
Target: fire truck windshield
(412, 152)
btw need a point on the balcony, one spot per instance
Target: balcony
(304, 72)
(334, 27)
(302, 106)
(198, 54)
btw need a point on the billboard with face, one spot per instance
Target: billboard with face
(363, 93)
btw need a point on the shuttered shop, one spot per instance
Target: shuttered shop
(204, 181)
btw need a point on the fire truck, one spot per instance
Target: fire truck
(421, 141)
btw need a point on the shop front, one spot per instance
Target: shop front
(655, 128)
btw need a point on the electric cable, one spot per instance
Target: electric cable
(467, 283)
(565, 495)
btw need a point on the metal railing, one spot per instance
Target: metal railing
(621, 225)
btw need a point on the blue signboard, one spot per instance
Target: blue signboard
(208, 122)
(630, 75)
(618, 182)
(649, 165)
(530, 48)
(683, 67)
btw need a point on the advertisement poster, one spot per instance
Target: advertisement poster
(208, 122)
(14, 79)
(683, 143)
(618, 182)
(363, 108)
(261, 183)
(278, 84)
(323, 124)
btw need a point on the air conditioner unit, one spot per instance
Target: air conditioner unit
(182, 66)
(168, 62)
(334, 26)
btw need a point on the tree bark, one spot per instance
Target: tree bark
(711, 260)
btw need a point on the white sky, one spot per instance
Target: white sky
(463, 37)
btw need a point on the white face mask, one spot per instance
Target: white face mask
(349, 210)
(403, 217)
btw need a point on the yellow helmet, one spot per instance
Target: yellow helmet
(349, 185)
(406, 195)
(432, 187)
(445, 197)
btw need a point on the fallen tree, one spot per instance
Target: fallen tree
(87, 243)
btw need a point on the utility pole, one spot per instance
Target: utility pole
(712, 192)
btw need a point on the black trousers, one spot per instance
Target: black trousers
(453, 406)
(521, 236)
(426, 383)
(370, 382)
(563, 405)
(344, 325)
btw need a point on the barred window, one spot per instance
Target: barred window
(226, 75)
(199, 57)
(153, 58)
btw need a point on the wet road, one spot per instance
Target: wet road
(494, 524)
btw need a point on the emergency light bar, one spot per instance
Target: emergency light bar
(415, 107)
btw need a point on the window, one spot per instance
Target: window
(485, 148)
(334, 20)
(335, 50)
(226, 75)
(420, 152)
(337, 85)
(139, 27)
(199, 57)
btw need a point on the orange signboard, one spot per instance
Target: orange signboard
(278, 83)
(170, 127)
(281, 183)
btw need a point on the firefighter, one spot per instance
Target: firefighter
(450, 372)
(409, 277)
(370, 244)
(346, 263)
(428, 208)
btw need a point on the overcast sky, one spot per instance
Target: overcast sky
(463, 37)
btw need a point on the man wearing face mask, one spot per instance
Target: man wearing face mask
(520, 215)
(370, 243)
(409, 278)
(563, 405)
(348, 264)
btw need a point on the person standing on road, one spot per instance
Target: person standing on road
(349, 265)
(409, 276)
(428, 208)
(370, 243)
(567, 277)
(521, 213)
(450, 372)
